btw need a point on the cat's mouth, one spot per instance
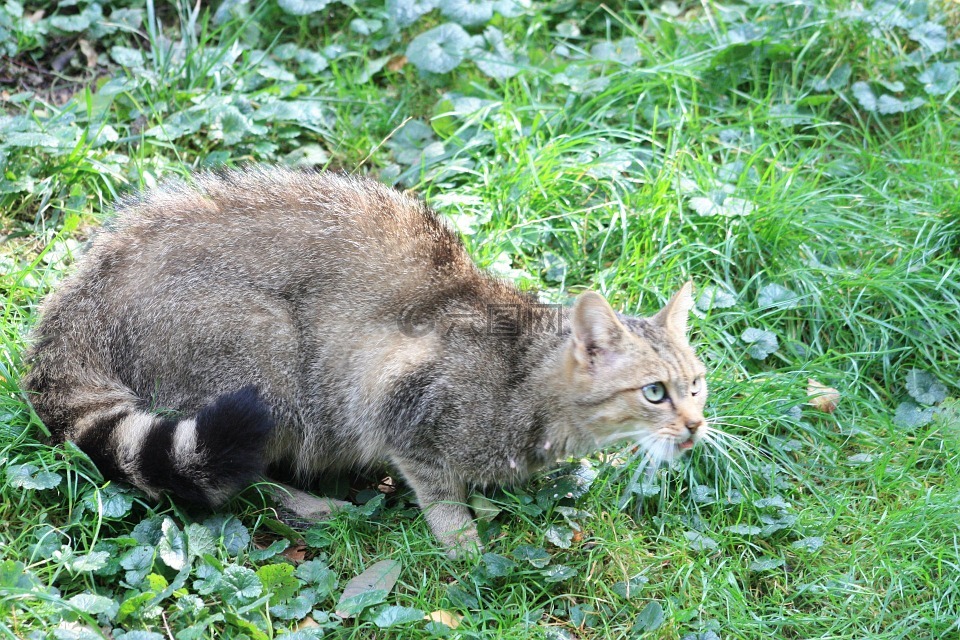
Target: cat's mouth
(685, 445)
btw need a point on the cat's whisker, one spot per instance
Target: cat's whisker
(652, 446)
(735, 461)
(721, 432)
(728, 439)
(725, 435)
(736, 425)
(722, 450)
(650, 472)
(663, 449)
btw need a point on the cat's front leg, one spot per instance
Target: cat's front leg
(442, 496)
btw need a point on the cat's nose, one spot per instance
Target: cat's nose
(693, 424)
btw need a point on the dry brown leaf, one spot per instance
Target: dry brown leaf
(89, 53)
(295, 554)
(448, 618)
(396, 63)
(308, 623)
(822, 397)
(387, 485)
(380, 575)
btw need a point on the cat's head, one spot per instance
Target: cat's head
(637, 378)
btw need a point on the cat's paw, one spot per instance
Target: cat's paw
(465, 546)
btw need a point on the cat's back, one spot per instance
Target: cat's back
(280, 226)
(268, 248)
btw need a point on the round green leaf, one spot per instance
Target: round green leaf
(497, 565)
(112, 501)
(240, 585)
(809, 544)
(394, 615)
(713, 297)
(440, 49)
(744, 529)
(765, 564)
(699, 541)
(630, 588)
(719, 204)
(536, 556)
(303, 7)
(773, 295)
(864, 95)
(910, 415)
(467, 12)
(296, 608)
(837, 79)
(558, 573)
(90, 561)
(887, 104)
(127, 57)
(234, 535)
(142, 635)
(624, 51)
(940, 78)
(93, 604)
(511, 8)
(318, 575)
(924, 388)
(138, 562)
(75, 23)
(278, 581)
(28, 476)
(406, 12)
(172, 547)
(773, 502)
(650, 618)
(30, 139)
(931, 36)
(493, 57)
(760, 343)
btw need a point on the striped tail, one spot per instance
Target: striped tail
(204, 459)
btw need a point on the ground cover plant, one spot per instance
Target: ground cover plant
(797, 159)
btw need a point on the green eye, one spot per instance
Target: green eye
(655, 392)
(695, 386)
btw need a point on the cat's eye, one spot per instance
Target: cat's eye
(655, 392)
(696, 385)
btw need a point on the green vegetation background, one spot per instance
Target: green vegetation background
(797, 159)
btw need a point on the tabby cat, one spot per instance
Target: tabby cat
(317, 321)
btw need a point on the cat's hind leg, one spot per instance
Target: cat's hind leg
(304, 505)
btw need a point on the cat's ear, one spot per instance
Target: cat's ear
(673, 317)
(595, 327)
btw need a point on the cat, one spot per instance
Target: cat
(321, 321)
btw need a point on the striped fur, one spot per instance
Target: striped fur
(317, 322)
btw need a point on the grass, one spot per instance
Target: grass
(724, 143)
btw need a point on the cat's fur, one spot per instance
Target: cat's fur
(321, 321)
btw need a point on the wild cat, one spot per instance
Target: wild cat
(316, 321)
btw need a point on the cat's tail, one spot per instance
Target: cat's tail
(203, 459)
